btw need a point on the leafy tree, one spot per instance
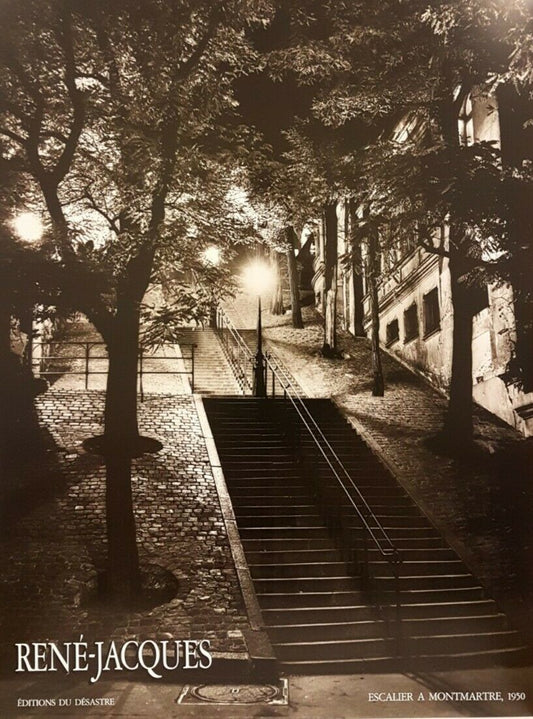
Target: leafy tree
(109, 112)
(377, 64)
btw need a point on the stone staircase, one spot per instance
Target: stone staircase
(321, 615)
(212, 373)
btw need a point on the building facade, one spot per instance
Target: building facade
(415, 304)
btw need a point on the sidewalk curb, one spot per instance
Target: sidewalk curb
(258, 644)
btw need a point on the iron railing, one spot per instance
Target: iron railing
(90, 358)
(343, 488)
(243, 361)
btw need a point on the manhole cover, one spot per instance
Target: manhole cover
(235, 693)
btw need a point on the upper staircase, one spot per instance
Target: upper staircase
(212, 373)
(328, 591)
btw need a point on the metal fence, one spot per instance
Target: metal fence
(52, 360)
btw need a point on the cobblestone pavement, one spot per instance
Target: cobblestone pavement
(55, 544)
(483, 505)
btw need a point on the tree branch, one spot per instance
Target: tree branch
(187, 67)
(76, 96)
(111, 221)
(13, 136)
(434, 250)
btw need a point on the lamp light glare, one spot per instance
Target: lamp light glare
(258, 277)
(28, 226)
(212, 256)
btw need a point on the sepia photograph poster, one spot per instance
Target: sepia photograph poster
(266, 358)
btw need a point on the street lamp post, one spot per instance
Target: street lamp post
(212, 257)
(258, 278)
(259, 384)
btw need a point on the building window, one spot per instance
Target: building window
(393, 332)
(410, 323)
(431, 312)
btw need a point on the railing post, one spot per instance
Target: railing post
(141, 386)
(87, 357)
(395, 564)
(192, 368)
(365, 573)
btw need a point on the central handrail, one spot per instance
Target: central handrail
(383, 543)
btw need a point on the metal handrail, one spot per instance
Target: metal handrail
(48, 359)
(390, 553)
(223, 323)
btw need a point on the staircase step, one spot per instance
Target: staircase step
(282, 600)
(476, 642)
(283, 532)
(286, 570)
(426, 581)
(429, 567)
(272, 556)
(326, 631)
(301, 556)
(423, 663)
(278, 520)
(338, 649)
(258, 510)
(288, 490)
(320, 614)
(298, 585)
(277, 544)
(425, 614)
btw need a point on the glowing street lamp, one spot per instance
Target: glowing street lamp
(212, 256)
(258, 278)
(28, 226)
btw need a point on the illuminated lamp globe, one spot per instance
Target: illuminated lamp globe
(212, 255)
(28, 226)
(258, 277)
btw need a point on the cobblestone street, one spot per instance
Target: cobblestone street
(51, 555)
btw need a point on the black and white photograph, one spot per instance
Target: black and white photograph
(266, 359)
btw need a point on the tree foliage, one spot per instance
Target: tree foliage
(111, 116)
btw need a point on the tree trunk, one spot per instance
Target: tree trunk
(277, 307)
(123, 579)
(330, 281)
(378, 383)
(121, 427)
(5, 333)
(458, 427)
(121, 439)
(330, 324)
(357, 273)
(296, 310)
